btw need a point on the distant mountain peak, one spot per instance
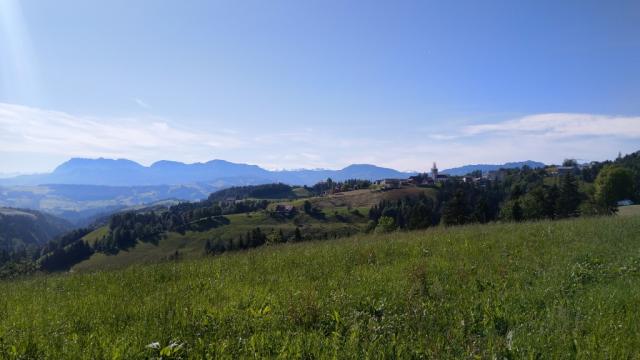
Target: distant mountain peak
(218, 161)
(362, 166)
(84, 163)
(166, 162)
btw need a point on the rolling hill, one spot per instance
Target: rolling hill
(20, 228)
(336, 215)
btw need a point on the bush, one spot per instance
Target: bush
(385, 224)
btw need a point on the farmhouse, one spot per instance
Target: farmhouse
(391, 183)
(427, 181)
(625, 202)
(563, 170)
(229, 201)
(496, 175)
(442, 178)
(284, 209)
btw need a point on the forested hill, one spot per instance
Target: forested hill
(20, 229)
(267, 191)
(467, 169)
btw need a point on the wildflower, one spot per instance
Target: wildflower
(510, 340)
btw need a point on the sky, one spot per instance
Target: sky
(318, 84)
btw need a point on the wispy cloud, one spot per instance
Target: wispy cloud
(544, 137)
(31, 130)
(142, 103)
(562, 125)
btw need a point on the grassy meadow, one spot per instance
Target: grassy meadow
(565, 289)
(630, 210)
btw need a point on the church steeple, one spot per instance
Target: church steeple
(434, 171)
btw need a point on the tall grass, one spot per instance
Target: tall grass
(567, 289)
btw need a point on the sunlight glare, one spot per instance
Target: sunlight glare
(18, 80)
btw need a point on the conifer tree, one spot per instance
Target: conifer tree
(569, 197)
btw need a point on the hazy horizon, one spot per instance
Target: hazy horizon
(14, 174)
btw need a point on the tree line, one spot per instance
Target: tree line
(523, 194)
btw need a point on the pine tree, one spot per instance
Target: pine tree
(550, 201)
(307, 207)
(517, 211)
(481, 211)
(569, 197)
(455, 210)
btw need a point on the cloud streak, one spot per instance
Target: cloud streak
(563, 125)
(142, 103)
(31, 130)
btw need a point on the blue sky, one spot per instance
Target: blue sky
(291, 84)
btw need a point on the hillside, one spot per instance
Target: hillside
(20, 228)
(336, 215)
(531, 290)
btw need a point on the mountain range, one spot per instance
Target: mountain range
(221, 173)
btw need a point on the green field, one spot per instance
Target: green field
(631, 210)
(566, 289)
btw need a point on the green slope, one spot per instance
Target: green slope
(339, 220)
(565, 289)
(191, 244)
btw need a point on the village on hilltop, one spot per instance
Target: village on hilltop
(434, 178)
(478, 177)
